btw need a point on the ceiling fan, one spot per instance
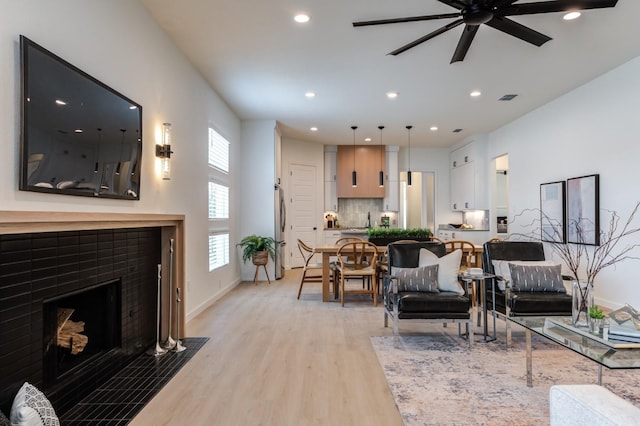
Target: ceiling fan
(493, 13)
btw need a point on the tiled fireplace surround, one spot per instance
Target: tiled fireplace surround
(46, 254)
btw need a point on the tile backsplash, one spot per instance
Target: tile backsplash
(352, 212)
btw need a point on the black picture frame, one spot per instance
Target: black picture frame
(583, 210)
(553, 216)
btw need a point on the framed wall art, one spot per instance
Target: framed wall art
(583, 210)
(553, 212)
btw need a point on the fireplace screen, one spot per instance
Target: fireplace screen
(80, 327)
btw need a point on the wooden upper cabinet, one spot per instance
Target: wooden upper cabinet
(368, 161)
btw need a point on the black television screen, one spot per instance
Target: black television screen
(79, 136)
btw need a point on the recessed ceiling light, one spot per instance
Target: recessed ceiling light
(78, 130)
(392, 95)
(310, 94)
(60, 102)
(133, 107)
(301, 18)
(434, 128)
(571, 16)
(367, 139)
(475, 93)
(314, 129)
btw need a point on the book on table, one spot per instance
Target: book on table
(624, 324)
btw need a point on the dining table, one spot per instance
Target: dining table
(332, 250)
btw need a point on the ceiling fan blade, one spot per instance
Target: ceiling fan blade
(518, 30)
(427, 37)
(458, 4)
(407, 19)
(465, 42)
(555, 6)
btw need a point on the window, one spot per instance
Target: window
(218, 250)
(218, 151)
(218, 201)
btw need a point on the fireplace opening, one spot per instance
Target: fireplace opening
(79, 328)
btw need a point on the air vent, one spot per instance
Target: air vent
(507, 97)
(457, 130)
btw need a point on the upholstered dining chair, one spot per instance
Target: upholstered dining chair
(311, 271)
(358, 259)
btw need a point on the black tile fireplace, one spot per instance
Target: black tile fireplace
(104, 280)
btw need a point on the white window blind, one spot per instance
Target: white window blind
(218, 201)
(218, 250)
(218, 151)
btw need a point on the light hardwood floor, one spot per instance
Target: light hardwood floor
(275, 360)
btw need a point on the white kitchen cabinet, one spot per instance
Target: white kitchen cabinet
(331, 236)
(331, 196)
(330, 182)
(467, 177)
(391, 202)
(463, 187)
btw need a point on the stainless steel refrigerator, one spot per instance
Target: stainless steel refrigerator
(280, 223)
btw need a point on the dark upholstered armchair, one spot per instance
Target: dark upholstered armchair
(403, 302)
(513, 300)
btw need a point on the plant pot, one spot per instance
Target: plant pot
(260, 258)
(596, 325)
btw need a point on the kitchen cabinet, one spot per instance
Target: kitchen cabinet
(391, 202)
(331, 236)
(368, 161)
(467, 177)
(330, 178)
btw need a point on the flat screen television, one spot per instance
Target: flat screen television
(79, 136)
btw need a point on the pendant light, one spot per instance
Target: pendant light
(97, 166)
(409, 162)
(354, 178)
(381, 173)
(120, 158)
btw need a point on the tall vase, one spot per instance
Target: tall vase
(582, 294)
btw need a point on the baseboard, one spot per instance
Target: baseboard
(207, 303)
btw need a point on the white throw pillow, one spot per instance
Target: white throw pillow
(31, 408)
(448, 269)
(501, 268)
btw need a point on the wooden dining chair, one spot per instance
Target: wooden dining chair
(358, 259)
(311, 271)
(469, 258)
(334, 266)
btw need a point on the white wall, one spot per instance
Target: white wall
(118, 43)
(257, 195)
(593, 129)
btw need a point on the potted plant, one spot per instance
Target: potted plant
(258, 249)
(596, 319)
(384, 236)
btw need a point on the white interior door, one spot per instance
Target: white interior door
(302, 211)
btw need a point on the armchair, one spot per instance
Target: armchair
(511, 300)
(404, 302)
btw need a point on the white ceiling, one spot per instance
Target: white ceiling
(261, 63)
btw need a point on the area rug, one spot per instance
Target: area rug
(437, 379)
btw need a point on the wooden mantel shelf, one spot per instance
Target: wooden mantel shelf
(172, 226)
(16, 222)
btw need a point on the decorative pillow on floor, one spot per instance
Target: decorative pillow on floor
(535, 279)
(448, 269)
(31, 408)
(422, 279)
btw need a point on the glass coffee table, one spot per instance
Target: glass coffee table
(611, 354)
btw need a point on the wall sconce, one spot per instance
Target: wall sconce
(163, 152)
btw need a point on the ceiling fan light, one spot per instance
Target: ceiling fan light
(571, 15)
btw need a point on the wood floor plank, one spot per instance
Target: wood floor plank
(275, 360)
